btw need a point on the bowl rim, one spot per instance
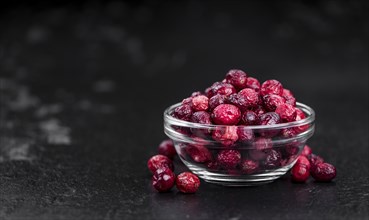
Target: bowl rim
(310, 117)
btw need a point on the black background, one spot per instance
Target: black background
(84, 85)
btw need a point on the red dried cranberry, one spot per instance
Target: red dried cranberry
(251, 97)
(221, 88)
(286, 112)
(229, 159)
(291, 149)
(212, 165)
(187, 101)
(200, 103)
(245, 134)
(166, 148)
(216, 100)
(315, 160)
(273, 159)
(237, 78)
(159, 162)
(324, 172)
(288, 96)
(269, 118)
(258, 154)
(263, 143)
(226, 114)
(289, 132)
(306, 151)
(303, 160)
(299, 116)
(253, 84)
(194, 94)
(249, 166)
(187, 182)
(199, 153)
(225, 135)
(249, 118)
(299, 173)
(271, 87)
(259, 110)
(272, 101)
(183, 112)
(201, 117)
(163, 180)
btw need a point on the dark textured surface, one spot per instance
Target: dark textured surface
(83, 88)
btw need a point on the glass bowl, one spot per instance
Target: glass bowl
(239, 155)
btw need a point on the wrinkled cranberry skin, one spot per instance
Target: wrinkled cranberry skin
(287, 112)
(288, 132)
(163, 180)
(271, 87)
(200, 103)
(226, 114)
(245, 134)
(253, 83)
(288, 96)
(299, 116)
(212, 165)
(259, 110)
(315, 160)
(159, 162)
(166, 148)
(201, 117)
(216, 100)
(251, 97)
(303, 160)
(263, 143)
(269, 118)
(237, 78)
(187, 182)
(306, 151)
(183, 112)
(300, 173)
(220, 88)
(249, 166)
(187, 101)
(229, 159)
(249, 118)
(199, 153)
(227, 136)
(323, 172)
(273, 159)
(271, 102)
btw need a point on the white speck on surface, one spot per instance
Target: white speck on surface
(46, 110)
(54, 132)
(15, 149)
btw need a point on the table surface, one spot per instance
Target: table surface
(83, 88)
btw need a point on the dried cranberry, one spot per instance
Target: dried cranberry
(289, 132)
(163, 180)
(323, 172)
(259, 110)
(187, 182)
(166, 148)
(300, 173)
(249, 118)
(273, 159)
(183, 112)
(288, 96)
(199, 153)
(221, 88)
(251, 97)
(245, 134)
(226, 114)
(237, 78)
(201, 117)
(291, 149)
(212, 165)
(258, 154)
(200, 103)
(271, 102)
(286, 111)
(229, 159)
(303, 160)
(253, 84)
(315, 160)
(187, 101)
(159, 162)
(194, 94)
(306, 151)
(271, 87)
(225, 135)
(249, 166)
(299, 116)
(216, 100)
(263, 143)
(269, 118)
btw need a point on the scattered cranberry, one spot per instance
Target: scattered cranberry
(249, 166)
(237, 78)
(183, 112)
(271, 87)
(323, 172)
(245, 134)
(166, 148)
(300, 173)
(303, 160)
(229, 159)
(225, 135)
(201, 117)
(315, 160)
(271, 101)
(159, 162)
(163, 179)
(216, 100)
(199, 153)
(286, 111)
(253, 84)
(306, 151)
(288, 96)
(226, 114)
(249, 118)
(273, 159)
(187, 182)
(200, 103)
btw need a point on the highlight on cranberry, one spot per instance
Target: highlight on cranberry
(187, 182)
(159, 162)
(163, 179)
